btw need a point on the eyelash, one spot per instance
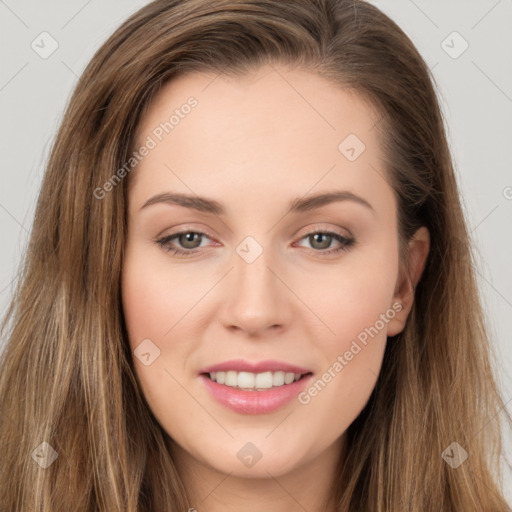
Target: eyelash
(164, 243)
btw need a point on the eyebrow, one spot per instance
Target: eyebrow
(300, 204)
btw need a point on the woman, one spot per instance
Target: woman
(261, 368)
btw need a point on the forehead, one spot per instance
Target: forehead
(272, 129)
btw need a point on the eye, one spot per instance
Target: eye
(187, 239)
(322, 240)
(191, 242)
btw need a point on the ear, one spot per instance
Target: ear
(417, 253)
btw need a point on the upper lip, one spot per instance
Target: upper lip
(240, 365)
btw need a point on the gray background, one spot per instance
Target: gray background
(475, 90)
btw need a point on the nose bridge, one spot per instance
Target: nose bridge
(253, 277)
(255, 300)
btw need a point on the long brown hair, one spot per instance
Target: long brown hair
(66, 375)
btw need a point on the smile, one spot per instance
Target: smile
(255, 400)
(254, 381)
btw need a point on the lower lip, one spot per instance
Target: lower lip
(255, 402)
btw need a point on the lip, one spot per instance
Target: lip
(255, 402)
(241, 365)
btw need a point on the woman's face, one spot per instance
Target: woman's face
(290, 266)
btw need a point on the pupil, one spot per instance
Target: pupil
(189, 238)
(327, 238)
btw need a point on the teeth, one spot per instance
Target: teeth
(262, 380)
(245, 380)
(254, 381)
(289, 378)
(278, 378)
(231, 378)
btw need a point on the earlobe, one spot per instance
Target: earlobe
(418, 249)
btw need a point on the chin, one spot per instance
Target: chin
(249, 462)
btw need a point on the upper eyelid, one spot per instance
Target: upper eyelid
(183, 232)
(321, 228)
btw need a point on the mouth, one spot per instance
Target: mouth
(248, 381)
(254, 393)
(250, 387)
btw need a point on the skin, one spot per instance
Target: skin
(254, 144)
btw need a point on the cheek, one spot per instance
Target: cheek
(357, 309)
(355, 300)
(155, 299)
(357, 314)
(153, 308)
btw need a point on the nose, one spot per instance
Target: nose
(256, 298)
